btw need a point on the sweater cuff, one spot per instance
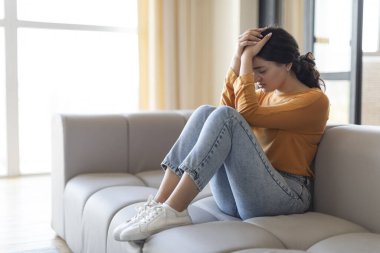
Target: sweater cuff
(231, 77)
(244, 80)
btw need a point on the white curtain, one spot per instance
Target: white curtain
(175, 45)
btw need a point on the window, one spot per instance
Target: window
(73, 56)
(3, 160)
(112, 13)
(371, 26)
(332, 51)
(1, 9)
(371, 63)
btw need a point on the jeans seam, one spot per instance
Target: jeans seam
(249, 133)
(194, 173)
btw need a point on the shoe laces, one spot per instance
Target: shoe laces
(141, 210)
(152, 214)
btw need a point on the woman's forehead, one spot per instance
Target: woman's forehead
(259, 62)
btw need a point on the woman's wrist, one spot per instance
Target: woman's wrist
(235, 64)
(246, 64)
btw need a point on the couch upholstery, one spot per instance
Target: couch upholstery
(106, 165)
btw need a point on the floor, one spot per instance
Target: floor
(25, 215)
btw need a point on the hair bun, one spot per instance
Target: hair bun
(308, 57)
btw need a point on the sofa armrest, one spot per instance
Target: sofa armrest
(88, 144)
(84, 144)
(347, 173)
(129, 143)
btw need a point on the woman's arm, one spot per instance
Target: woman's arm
(248, 38)
(249, 53)
(303, 112)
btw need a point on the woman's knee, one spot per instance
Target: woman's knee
(205, 109)
(224, 111)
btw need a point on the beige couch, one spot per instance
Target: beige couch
(103, 166)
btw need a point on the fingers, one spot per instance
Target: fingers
(266, 38)
(253, 34)
(263, 41)
(260, 29)
(250, 37)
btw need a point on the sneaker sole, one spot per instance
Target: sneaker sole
(143, 236)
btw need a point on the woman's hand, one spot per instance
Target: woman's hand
(249, 38)
(252, 50)
(249, 53)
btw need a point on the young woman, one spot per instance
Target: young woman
(255, 149)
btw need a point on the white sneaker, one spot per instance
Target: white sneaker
(158, 218)
(141, 210)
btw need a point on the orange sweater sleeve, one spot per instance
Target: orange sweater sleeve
(302, 113)
(228, 95)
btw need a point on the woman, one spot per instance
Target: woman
(255, 149)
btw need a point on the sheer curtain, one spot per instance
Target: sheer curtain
(176, 53)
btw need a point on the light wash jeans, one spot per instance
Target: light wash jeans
(217, 146)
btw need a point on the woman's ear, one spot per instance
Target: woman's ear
(289, 66)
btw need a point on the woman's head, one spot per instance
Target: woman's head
(283, 49)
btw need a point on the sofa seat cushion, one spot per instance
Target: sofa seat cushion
(78, 190)
(349, 243)
(301, 231)
(269, 251)
(209, 205)
(81, 188)
(197, 215)
(211, 237)
(100, 209)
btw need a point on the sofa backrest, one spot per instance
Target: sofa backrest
(150, 136)
(347, 174)
(131, 143)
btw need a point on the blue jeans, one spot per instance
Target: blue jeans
(217, 146)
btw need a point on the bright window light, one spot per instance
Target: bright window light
(371, 25)
(3, 161)
(333, 49)
(338, 92)
(1, 9)
(70, 72)
(120, 13)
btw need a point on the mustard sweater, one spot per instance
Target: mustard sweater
(288, 127)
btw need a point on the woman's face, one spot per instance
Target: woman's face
(270, 75)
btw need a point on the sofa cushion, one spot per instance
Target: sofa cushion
(78, 190)
(151, 178)
(349, 243)
(212, 237)
(269, 251)
(208, 204)
(100, 210)
(197, 215)
(347, 175)
(150, 137)
(300, 231)
(121, 216)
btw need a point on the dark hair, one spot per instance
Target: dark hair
(283, 48)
